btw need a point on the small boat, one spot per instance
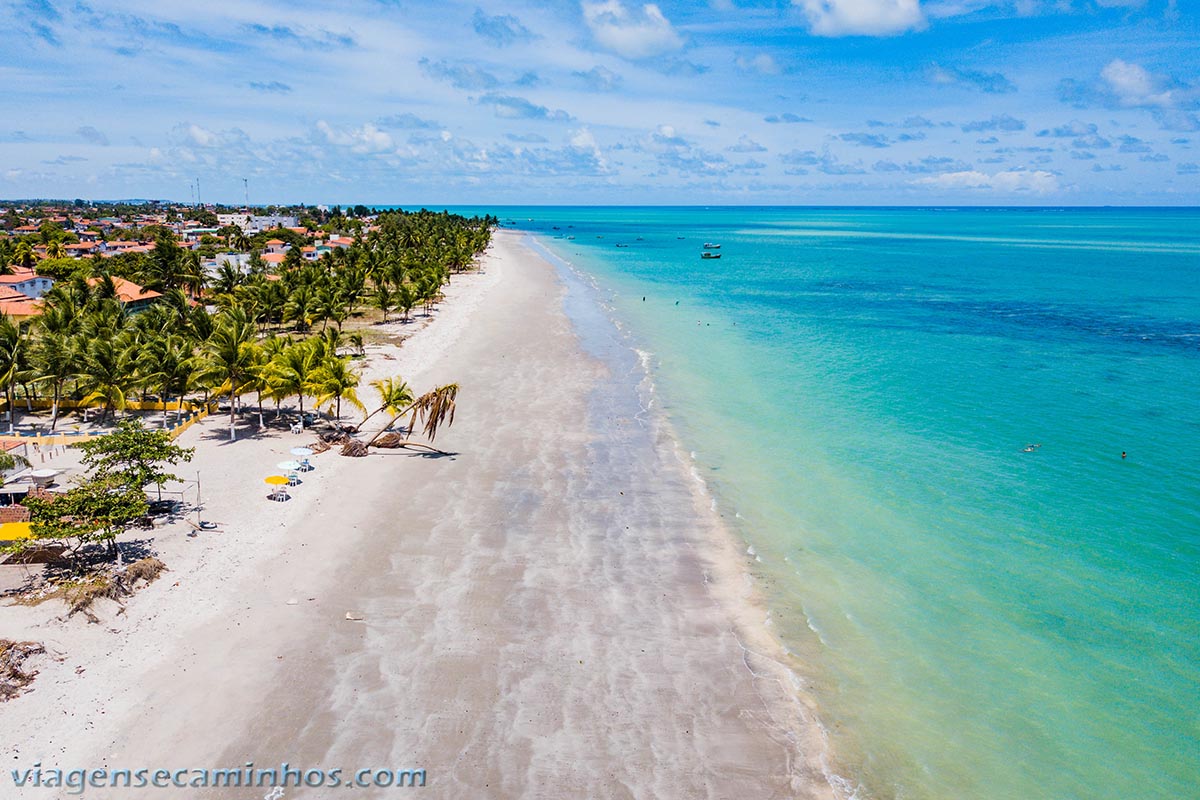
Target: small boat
(570, 237)
(710, 255)
(711, 246)
(622, 245)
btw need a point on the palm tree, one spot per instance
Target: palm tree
(23, 254)
(229, 358)
(329, 306)
(228, 278)
(394, 395)
(11, 345)
(9, 461)
(168, 365)
(433, 409)
(334, 380)
(108, 372)
(259, 380)
(299, 307)
(384, 299)
(293, 369)
(406, 297)
(55, 361)
(56, 249)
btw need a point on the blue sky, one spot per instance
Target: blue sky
(604, 101)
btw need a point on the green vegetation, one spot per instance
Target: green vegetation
(274, 331)
(271, 331)
(121, 464)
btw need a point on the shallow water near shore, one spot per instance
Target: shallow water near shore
(917, 419)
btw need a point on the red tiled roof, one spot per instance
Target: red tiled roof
(24, 307)
(128, 291)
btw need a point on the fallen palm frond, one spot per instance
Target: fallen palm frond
(354, 448)
(318, 446)
(335, 437)
(145, 569)
(13, 677)
(432, 410)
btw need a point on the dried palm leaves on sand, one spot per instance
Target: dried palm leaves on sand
(13, 677)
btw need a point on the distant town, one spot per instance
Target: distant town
(41, 242)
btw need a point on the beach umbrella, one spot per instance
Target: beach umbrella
(301, 451)
(277, 480)
(290, 466)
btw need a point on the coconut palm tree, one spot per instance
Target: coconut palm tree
(335, 380)
(108, 372)
(168, 365)
(394, 395)
(11, 345)
(293, 369)
(23, 255)
(230, 358)
(384, 299)
(433, 409)
(55, 360)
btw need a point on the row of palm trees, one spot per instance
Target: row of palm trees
(89, 348)
(261, 338)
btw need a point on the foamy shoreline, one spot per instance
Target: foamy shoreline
(515, 641)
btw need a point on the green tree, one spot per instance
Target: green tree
(293, 369)
(55, 361)
(95, 510)
(229, 358)
(168, 365)
(394, 396)
(134, 456)
(335, 380)
(11, 346)
(109, 373)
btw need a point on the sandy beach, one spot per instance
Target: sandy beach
(551, 611)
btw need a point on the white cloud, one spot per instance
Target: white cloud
(862, 17)
(631, 33)
(1017, 180)
(201, 137)
(1134, 85)
(367, 139)
(763, 63)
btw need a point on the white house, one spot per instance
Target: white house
(26, 281)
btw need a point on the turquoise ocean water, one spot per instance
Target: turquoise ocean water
(916, 418)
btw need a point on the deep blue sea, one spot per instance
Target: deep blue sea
(964, 445)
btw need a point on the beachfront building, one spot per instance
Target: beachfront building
(26, 282)
(255, 223)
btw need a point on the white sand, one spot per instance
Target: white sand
(526, 631)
